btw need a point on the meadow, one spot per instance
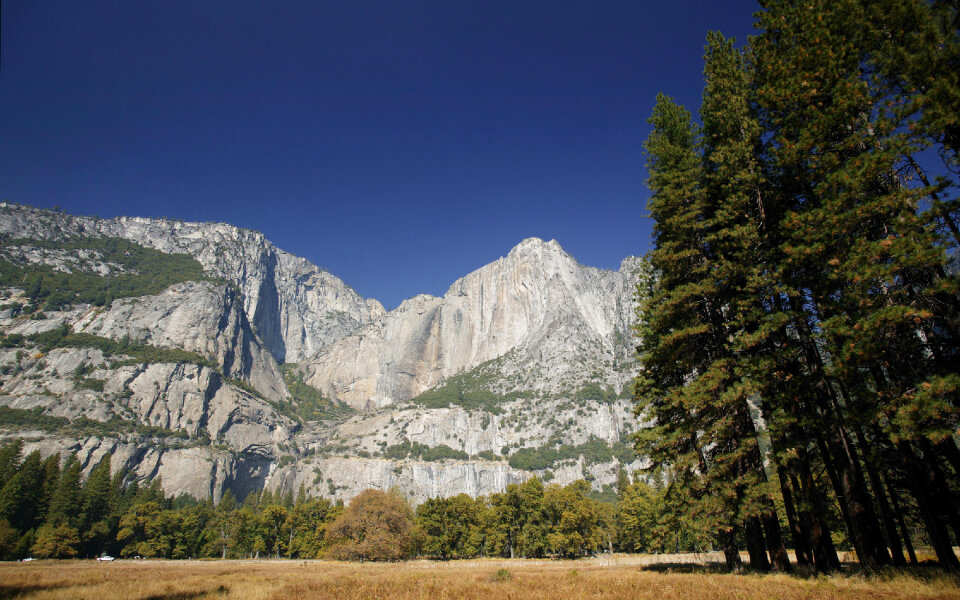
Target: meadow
(599, 578)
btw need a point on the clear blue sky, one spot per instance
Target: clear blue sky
(399, 145)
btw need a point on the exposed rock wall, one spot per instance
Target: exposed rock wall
(554, 317)
(345, 477)
(296, 307)
(201, 317)
(535, 325)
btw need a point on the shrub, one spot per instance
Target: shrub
(443, 452)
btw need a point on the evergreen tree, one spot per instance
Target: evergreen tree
(10, 458)
(689, 384)
(99, 521)
(802, 280)
(66, 502)
(20, 495)
(51, 480)
(858, 265)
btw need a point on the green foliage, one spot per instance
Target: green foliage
(405, 449)
(147, 271)
(13, 340)
(470, 390)
(606, 495)
(453, 527)
(418, 451)
(18, 419)
(88, 383)
(443, 452)
(640, 511)
(594, 451)
(63, 337)
(243, 385)
(307, 403)
(593, 391)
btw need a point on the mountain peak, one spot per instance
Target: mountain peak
(537, 244)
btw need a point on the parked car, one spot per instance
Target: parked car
(105, 557)
(28, 559)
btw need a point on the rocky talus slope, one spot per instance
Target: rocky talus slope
(249, 367)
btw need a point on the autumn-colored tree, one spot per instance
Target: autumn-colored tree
(375, 526)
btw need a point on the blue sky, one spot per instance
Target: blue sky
(399, 145)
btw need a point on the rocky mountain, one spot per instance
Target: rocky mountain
(201, 353)
(296, 308)
(551, 319)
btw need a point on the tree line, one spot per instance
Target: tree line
(799, 346)
(48, 510)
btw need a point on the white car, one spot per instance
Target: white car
(105, 558)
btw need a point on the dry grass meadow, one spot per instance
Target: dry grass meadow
(601, 578)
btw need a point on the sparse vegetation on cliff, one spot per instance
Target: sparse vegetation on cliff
(138, 270)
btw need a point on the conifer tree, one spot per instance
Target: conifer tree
(99, 519)
(690, 382)
(858, 265)
(65, 504)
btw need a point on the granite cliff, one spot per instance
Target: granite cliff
(249, 367)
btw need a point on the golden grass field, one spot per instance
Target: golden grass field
(480, 579)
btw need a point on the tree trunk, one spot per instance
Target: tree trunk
(814, 511)
(756, 547)
(886, 514)
(730, 552)
(902, 523)
(921, 480)
(862, 524)
(944, 496)
(948, 448)
(801, 544)
(778, 552)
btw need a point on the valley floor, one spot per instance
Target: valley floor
(676, 577)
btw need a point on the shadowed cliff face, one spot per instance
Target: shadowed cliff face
(531, 352)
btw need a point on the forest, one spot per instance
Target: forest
(799, 344)
(49, 511)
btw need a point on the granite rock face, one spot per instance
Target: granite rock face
(199, 317)
(296, 307)
(530, 353)
(550, 319)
